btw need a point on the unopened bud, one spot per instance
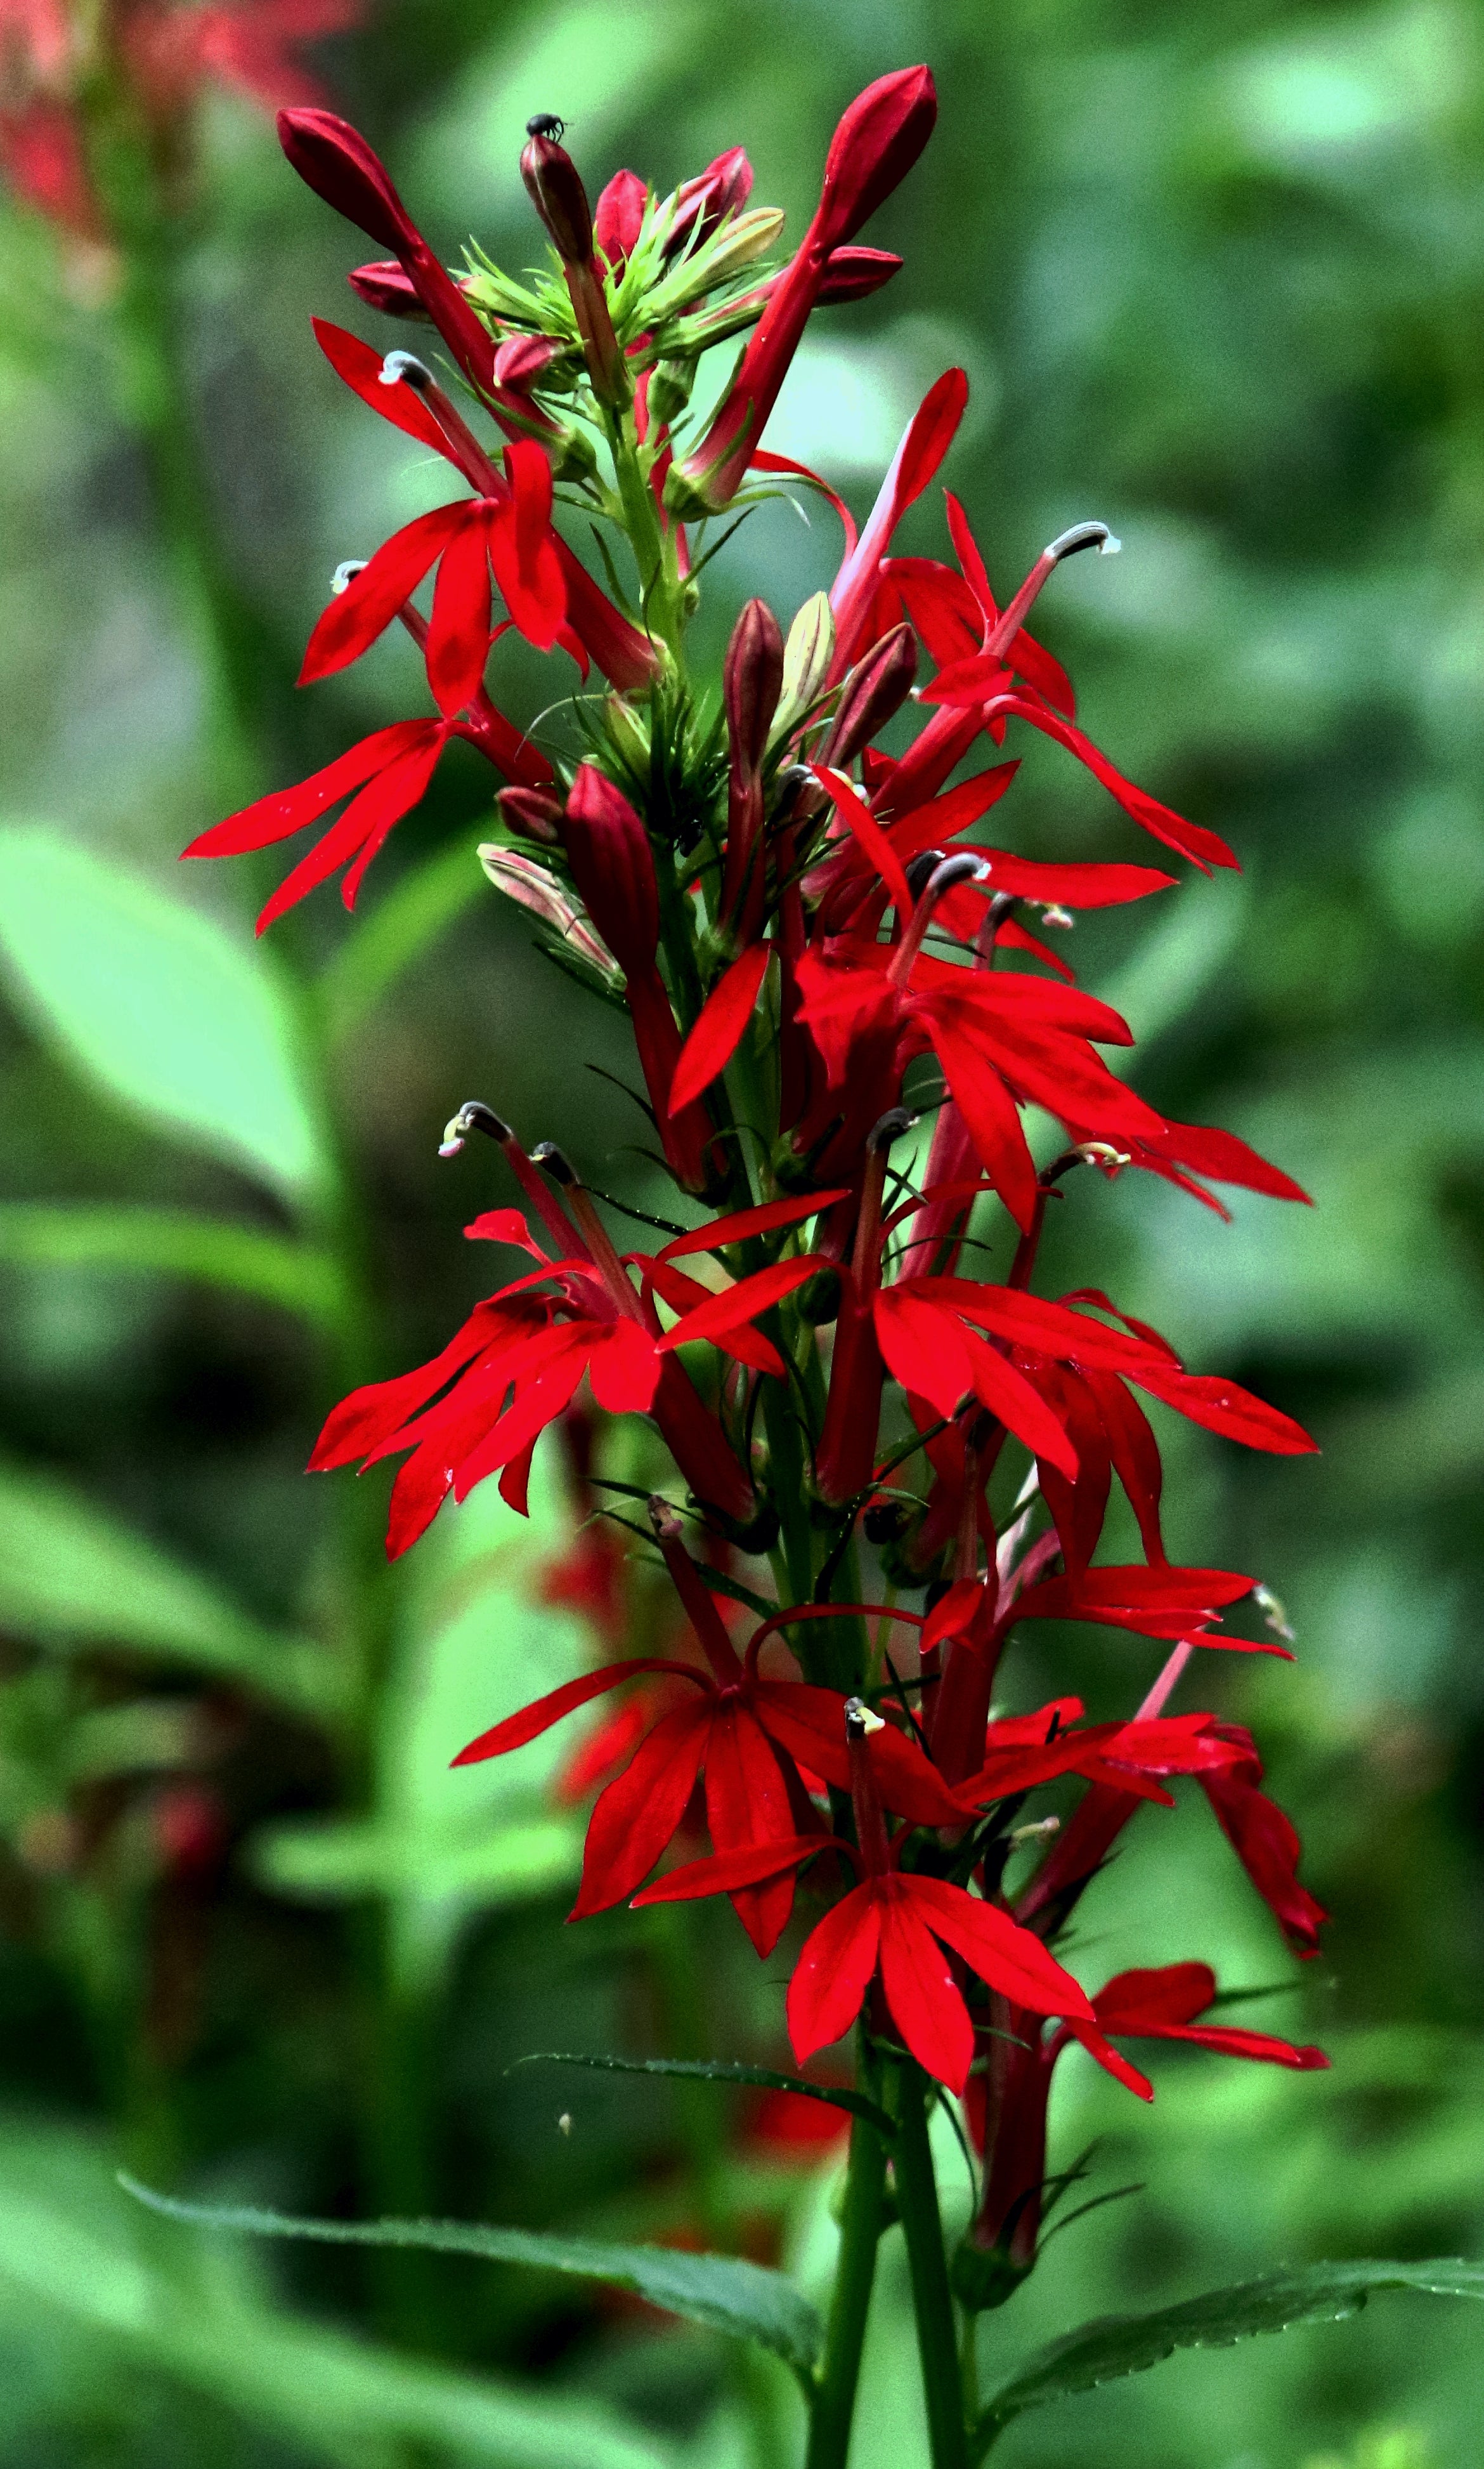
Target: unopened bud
(534, 813)
(556, 190)
(669, 390)
(386, 286)
(854, 273)
(807, 657)
(521, 362)
(753, 680)
(629, 732)
(876, 687)
(724, 188)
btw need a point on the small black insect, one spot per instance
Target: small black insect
(545, 124)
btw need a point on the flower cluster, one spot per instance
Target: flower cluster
(820, 945)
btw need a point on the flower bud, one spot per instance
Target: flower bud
(724, 188)
(617, 219)
(556, 190)
(386, 286)
(613, 868)
(875, 146)
(522, 880)
(629, 732)
(520, 361)
(807, 658)
(854, 273)
(531, 812)
(669, 391)
(752, 681)
(874, 688)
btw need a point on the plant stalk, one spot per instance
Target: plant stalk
(860, 2228)
(932, 2300)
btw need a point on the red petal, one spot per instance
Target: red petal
(361, 367)
(1175, 1993)
(833, 1972)
(539, 1715)
(877, 849)
(1021, 1409)
(925, 2003)
(743, 1301)
(458, 639)
(717, 1032)
(1221, 1406)
(287, 811)
(623, 1367)
(635, 1817)
(371, 598)
(748, 1802)
(364, 825)
(743, 1222)
(1010, 1959)
(727, 1873)
(523, 548)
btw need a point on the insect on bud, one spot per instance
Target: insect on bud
(555, 187)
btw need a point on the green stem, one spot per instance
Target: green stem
(860, 2228)
(932, 2302)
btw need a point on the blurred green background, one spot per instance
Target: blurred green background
(1218, 277)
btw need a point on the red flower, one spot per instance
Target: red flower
(894, 1924)
(454, 1415)
(748, 1738)
(874, 147)
(1162, 2005)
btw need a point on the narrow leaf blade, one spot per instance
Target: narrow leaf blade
(1116, 2345)
(720, 2292)
(717, 2071)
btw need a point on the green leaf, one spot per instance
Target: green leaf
(395, 933)
(119, 2310)
(175, 1242)
(173, 1013)
(719, 2291)
(717, 2071)
(1124, 2344)
(73, 1576)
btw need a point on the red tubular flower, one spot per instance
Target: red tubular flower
(387, 772)
(929, 435)
(874, 147)
(724, 188)
(1007, 2109)
(613, 868)
(533, 1349)
(334, 160)
(747, 1738)
(594, 626)
(894, 1924)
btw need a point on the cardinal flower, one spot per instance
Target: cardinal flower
(892, 1928)
(383, 777)
(1007, 2107)
(874, 147)
(746, 1737)
(479, 1407)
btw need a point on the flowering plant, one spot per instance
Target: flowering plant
(819, 950)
